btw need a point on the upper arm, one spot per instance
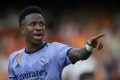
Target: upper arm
(63, 59)
(61, 54)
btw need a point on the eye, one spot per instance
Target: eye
(41, 23)
(32, 24)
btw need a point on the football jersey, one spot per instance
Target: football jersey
(46, 63)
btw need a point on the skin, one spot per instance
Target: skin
(33, 27)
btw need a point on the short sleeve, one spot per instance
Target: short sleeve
(11, 75)
(62, 50)
(63, 58)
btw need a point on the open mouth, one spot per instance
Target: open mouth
(38, 36)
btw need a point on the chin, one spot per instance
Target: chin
(38, 42)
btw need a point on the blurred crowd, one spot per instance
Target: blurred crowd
(73, 28)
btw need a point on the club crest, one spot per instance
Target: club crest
(42, 60)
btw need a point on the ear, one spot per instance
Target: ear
(22, 29)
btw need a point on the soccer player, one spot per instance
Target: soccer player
(40, 60)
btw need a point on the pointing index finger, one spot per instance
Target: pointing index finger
(99, 36)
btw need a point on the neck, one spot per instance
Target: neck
(30, 47)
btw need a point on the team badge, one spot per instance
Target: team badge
(42, 60)
(19, 57)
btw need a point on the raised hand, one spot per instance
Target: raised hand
(94, 41)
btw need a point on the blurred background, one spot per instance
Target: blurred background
(70, 22)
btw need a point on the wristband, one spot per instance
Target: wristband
(89, 48)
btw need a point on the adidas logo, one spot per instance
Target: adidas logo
(17, 66)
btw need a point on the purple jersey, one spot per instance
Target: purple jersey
(44, 64)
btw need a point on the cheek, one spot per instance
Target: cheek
(28, 33)
(28, 37)
(28, 30)
(44, 30)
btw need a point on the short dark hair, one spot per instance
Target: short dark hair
(28, 10)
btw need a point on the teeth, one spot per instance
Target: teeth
(38, 36)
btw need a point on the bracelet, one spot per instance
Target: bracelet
(89, 48)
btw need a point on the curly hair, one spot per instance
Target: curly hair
(28, 10)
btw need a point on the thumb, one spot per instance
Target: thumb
(99, 46)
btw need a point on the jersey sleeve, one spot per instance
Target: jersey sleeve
(62, 50)
(11, 75)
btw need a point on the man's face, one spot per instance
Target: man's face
(33, 27)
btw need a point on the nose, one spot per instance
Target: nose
(38, 27)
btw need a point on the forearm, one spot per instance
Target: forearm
(76, 54)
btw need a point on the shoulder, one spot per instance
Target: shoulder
(57, 44)
(58, 49)
(14, 55)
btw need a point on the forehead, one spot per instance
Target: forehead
(34, 17)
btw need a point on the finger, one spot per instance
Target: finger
(99, 36)
(100, 46)
(89, 42)
(92, 43)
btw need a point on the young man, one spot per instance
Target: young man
(41, 60)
